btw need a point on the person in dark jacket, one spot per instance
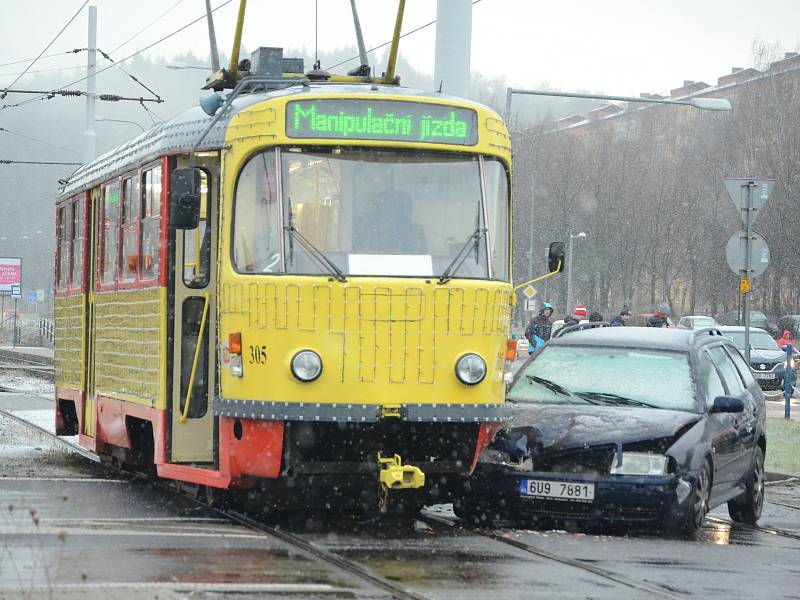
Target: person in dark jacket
(622, 319)
(659, 319)
(540, 326)
(595, 317)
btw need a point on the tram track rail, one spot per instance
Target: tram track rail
(363, 573)
(653, 591)
(359, 572)
(769, 530)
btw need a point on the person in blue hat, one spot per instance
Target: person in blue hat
(540, 327)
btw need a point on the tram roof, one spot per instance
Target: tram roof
(181, 133)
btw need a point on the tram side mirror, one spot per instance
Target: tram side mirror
(556, 260)
(184, 198)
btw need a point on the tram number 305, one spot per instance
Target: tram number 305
(258, 355)
(562, 490)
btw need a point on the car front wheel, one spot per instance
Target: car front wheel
(699, 506)
(747, 507)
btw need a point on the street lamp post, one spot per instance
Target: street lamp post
(719, 104)
(119, 121)
(569, 268)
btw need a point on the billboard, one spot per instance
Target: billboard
(10, 273)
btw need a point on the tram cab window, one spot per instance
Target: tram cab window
(129, 243)
(256, 217)
(110, 231)
(64, 224)
(197, 242)
(151, 222)
(497, 207)
(384, 212)
(77, 243)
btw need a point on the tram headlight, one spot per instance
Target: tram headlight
(306, 365)
(470, 369)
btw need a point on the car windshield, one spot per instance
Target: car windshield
(607, 377)
(698, 322)
(760, 340)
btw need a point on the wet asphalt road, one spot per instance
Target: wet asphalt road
(69, 531)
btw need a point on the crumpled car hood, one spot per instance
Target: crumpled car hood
(551, 427)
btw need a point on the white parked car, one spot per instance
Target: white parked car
(696, 322)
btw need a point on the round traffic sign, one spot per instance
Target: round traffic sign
(735, 253)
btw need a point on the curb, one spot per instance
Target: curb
(773, 478)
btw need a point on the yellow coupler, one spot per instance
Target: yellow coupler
(394, 475)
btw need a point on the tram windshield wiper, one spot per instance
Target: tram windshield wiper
(325, 263)
(458, 260)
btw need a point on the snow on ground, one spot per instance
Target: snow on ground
(25, 384)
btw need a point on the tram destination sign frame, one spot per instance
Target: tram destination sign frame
(10, 273)
(384, 120)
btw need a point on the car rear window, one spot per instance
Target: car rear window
(608, 377)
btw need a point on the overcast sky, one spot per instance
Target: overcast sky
(615, 46)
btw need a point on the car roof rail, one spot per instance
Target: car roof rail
(712, 331)
(580, 327)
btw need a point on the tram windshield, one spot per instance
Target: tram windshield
(373, 212)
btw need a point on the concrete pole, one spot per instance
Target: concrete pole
(89, 135)
(453, 47)
(569, 276)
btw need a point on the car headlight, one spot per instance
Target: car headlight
(306, 365)
(470, 369)
(639, 463)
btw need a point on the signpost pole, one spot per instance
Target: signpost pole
(749, 231)
(787, 383)
(14, 332)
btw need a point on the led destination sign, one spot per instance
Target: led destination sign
(357, 119)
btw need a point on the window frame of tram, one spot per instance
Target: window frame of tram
(493, 208)
(70, 236)
(198, 240)
(137, 197)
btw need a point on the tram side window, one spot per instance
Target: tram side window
(497, 204)
(63, 247)
(256, 237)
(197, 242)
(110, 231)
(151, 222)
(77, 243)
(129, 243)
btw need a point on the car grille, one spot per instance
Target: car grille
(587, 510)
(763, 367)
(595, 461)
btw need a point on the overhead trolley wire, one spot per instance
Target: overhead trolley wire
(50, 44)
(420, 28)
(28, 137)
(48, 95)
(143, 29)
(5, 161)
(19, 62)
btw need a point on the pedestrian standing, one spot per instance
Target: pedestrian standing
(661, 316)
(622, 319)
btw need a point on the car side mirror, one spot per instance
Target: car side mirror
(184, 198)
(726, 404)
(556, 260)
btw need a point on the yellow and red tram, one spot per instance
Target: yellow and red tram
(334, 311)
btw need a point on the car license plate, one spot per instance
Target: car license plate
(557, 490)
(765, 375)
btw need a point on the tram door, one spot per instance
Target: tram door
(193, 342)
(87, 419)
